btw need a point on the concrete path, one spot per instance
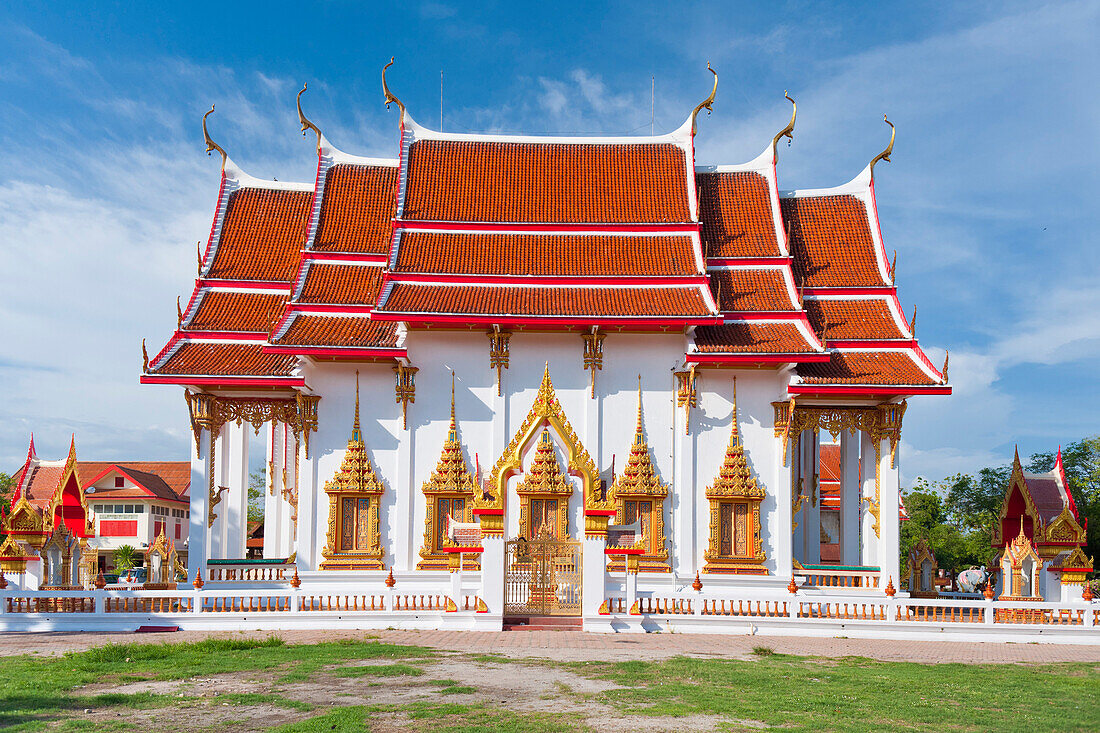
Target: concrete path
(578, 646)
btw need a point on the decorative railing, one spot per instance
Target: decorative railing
(839, 576)
(274, 570)
(857, 608)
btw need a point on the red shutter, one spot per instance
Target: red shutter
(179, 528)
(157, 527)
(118, 528)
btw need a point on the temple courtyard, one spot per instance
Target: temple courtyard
(538, 681)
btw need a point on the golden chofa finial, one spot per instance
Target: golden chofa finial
(885, 154)
(306, 124)
(389, 95)
(787, 131)
(211, 146)
(706, 103)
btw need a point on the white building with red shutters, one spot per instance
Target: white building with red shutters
(508, 377)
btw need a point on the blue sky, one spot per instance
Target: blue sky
(990, 199)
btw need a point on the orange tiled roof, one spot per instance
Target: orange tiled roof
(752, 338)
(545, 301)
(351, 284)
(751, 290)
(452, 180)
(310, 330)
(357, 209)
(527, 254)
(736, 213)
(866, 367)
(829, 463)
(262, 234)
(227, 359)
(220, 311)
(831, 242)
(40, 486)
(853, 319)
(166, 479)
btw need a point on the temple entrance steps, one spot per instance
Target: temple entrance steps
(543, 623)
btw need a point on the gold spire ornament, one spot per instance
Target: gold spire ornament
(211, 146)
(144, 357)
(388, 94)
(179, 313)
(735, 544)
(885, 154)
(306, 124)
(913, 323)
(786, 132)
(354, 539)
(198, 255)
(640, 487)
(706, 103)
(450, 484)
(946, 356)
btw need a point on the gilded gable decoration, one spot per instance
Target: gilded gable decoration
(545, 412)
(735, 545)
(354, 539)
(639, 496)
(448, 492)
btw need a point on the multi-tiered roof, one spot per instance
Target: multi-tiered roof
(566, 233)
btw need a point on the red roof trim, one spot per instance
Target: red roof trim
(878, 291)
(581, 321)
(369, 258)
(208, 380)
(863, 390)
(217, 282)
(465, 226)
(249, 337)
(867, 344)
(775, 262)
(761, 358)
(735, 316)
(540, 280)
(351, 352)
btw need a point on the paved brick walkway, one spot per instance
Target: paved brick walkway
(577, 646)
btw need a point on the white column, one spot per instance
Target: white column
(782, 546)
(594, 579)
(811, 525)
(236, 499)
(404, 510)
(221, 507)
(309, 507)
(685, 544)
(591, 440)
(849, 498)
(794, 456)
(888, 517)
(869, 544)
(197, 531)
(272, 491)
(492, 575)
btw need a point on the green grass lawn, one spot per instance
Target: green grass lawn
(790, 692)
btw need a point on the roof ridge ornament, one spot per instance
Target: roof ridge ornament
(211, 146)
(389, 95)
(786, 131)
(946, 356)
(306, 124)
(706, 103)
(885, 154)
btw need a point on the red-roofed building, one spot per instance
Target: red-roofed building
(1039, 507)
(438, 297)
(77, 513)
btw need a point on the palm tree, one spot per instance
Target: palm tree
(125, 558)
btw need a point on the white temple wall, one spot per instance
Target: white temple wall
(405, 459)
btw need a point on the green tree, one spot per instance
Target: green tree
(257, 485)
(125, 558)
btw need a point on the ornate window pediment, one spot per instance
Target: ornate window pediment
(354, 538)
(735, 544)
(639, 496)
(448, 493)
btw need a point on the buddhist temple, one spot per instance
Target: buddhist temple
(500, 378)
